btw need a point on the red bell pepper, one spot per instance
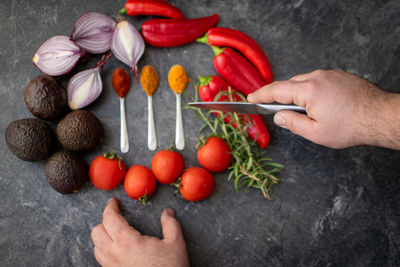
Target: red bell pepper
(211, 86)
(151, 7)
(236, 70)
(176, 32)
(244, 44)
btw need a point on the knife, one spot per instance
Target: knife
(244, 107)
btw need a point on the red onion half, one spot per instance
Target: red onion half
(127, 44)
(57, 56)
(86, 86)
(93, 32)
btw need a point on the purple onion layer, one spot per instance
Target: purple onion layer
(84, 88)
(93, 32)
(57, 56)
(127, 44)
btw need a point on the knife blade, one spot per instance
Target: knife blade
(244, 107)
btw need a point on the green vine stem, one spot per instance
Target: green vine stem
(113, 155)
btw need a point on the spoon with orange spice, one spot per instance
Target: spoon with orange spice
(149, 81)
(121, 83)
(177, 79)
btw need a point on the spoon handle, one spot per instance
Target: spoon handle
(124, 130)
(151, 129)
(179, 138)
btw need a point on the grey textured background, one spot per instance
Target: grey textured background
(332, 208)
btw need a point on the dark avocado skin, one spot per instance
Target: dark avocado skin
(30, 139)
(66, 172)
(80, 131)
(45, 97)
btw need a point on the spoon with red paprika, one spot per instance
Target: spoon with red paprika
(121, 83)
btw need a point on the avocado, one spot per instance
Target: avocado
(66, 172)
(80, 131)
(30, 139)
(45, 97)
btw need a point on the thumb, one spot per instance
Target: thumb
(296, 122)
(171, 228)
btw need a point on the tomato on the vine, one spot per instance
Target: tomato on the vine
(196, 184)
(107, 171)
(215, 155)
(139, 183)
(167, 166)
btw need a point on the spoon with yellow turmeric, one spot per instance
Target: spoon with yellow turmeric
(149, 81)
(177, 79)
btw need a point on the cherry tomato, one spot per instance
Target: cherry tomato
(167, 166)
(215, 155)
(196, 184)
(107, 171)
(139, 182)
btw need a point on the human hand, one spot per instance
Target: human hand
(118, 244)
(343, 110)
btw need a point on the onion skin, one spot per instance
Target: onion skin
(127, 44)
(93, 32)
(84, 88)
(57, 56)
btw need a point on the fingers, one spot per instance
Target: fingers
(101, 241)
(114, 223)
(100, 257)
(311, 75)
(100, 236)
(285, 92)
(297, 123)
(300, 77)
(170, 226)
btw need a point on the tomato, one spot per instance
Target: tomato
(139, 182)
(107, 171)
(196, 184)
(167, 166)
(215, 155)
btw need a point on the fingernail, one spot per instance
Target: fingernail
(170, 212)
(250, 97)
(280, 121)
(112, 199)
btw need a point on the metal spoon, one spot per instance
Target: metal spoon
(177, 79)
(121, 83)
(179, 137)
(124, 131)
(149, 80)
(151, 129)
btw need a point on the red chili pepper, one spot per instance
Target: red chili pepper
(236, 70)
(151, 7)
(244, 44)
(176, 32)
(211, 86)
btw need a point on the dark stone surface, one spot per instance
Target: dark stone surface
(332, 208)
